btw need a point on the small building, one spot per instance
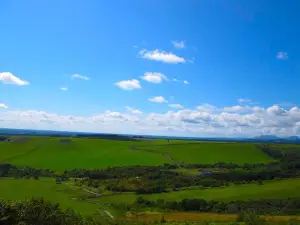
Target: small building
(205, 173)
(58, 180)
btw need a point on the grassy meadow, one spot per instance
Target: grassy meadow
(213, 152)
(66, 196)
(70, 196)
(50, 153)
(59, 154)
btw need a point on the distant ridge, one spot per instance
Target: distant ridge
(273, 138)
(261, 138)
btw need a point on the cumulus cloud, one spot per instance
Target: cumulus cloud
(282, 55)
(3, 106)
(177, 106)
(178, 44)
(133, 111)
(161, 56)
(154, 77)
(185, 82)
(158, 99)
(64, 88)
(257, 109)
(194, 122)
(128, 85)
(276, 110)
(206, 107)
(9, 78)
(78, 76)
(236, 108)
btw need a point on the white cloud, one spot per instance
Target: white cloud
(9, 78)
(276, 110)
(185, 82)
(134, 111)
(177, 106)
(162, 56)
(78, 76)
(178, 44)
(186, 122)
(3, 106)
(236, 108)
(175, 80)
(206, 107)
(282, 55)
(244, 100)
(154, 77)
(128, 85)
(158, 99)
(257, 109)
(64, 88)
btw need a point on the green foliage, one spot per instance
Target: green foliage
(250, 218)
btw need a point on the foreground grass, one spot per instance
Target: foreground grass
(71, 197)
(214, 152)
(65, 195)
(279, 189)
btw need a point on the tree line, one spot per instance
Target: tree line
(262, 207)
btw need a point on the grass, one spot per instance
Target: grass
(214, 152)
(50, 153)
(21, 189)
(278, 189)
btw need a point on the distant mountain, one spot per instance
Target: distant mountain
(273, 138)
(267, 137)
(294, 138)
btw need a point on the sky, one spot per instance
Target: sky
(203, 68)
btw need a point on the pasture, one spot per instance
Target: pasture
(61, 154)
(66, 196)
(51, 153)
(213, 152)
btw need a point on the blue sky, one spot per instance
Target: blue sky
(236, 56)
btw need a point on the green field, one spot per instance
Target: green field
(63, 194)
(278, 189)
(50, 153)
(59, 154)
(214, 152)
(68, 196)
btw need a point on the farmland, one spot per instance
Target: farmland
(69, 196)
(47, 188)
(212, 152)
(117, 177)
(51, 153)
